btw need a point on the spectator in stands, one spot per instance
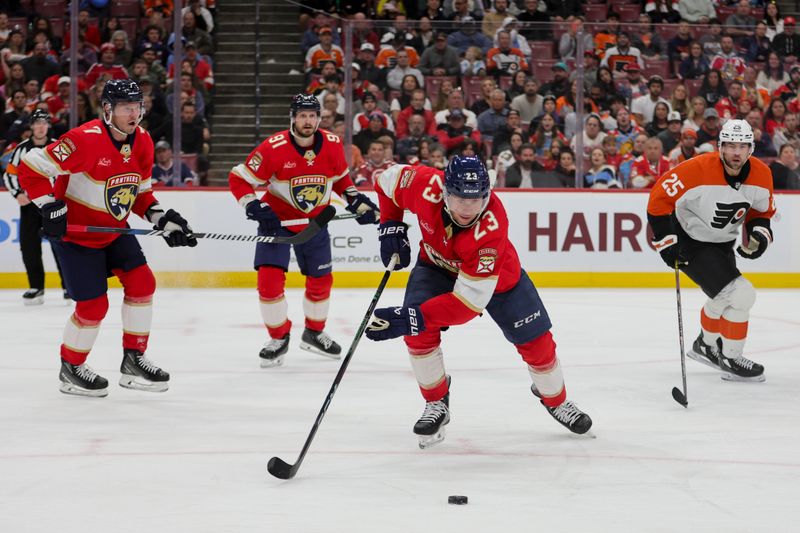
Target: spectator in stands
(90, 32)
(712, 88)
(520, 174)
(369, 104)
(372, 132)
(325, 50)
(42, 25)
(560, 84)
(493, 20)
(622, 54)
(546, 135)
(773, 75)
(566, 167)
(511, 25)
(787, 43)
(741, 24)
(451, 134)
(455, 100)
(503, 60)
(599, 175)
(327, 119)
(662, 11)
(434, 11)
(473, 63)
(310, 36)
(110, 25)
(728, 62)
(468, 35)
(15, 79)
(416, 107)
(535, 21)
(370, 72)
(187, 86)
(636, 86)
(648, 167)
(163, 7)
(201, 39)
(19, 100)
(517, 86)
(58, 104)
(502, 137)
(658, 123)
(671, 137)
(590, 69)
(445, 88)
(613, 157)
(153, 39)
(775, 117)
(758, 45)
(163, 169)
(785, 171)
(468, 147)
(763, 142)
(387, 57)
(709, 131)
(403, 100)
(628, 159)
(120, 41)
(14, 49)
(790, 89)
(695, 66)
(712, 40)
(440, 59)
(685, 150)
(481, 103)
(375, 162)
(203, 17)
(396, 76)
(154, 121)
(788, 134)
(568, 43)
(678, 46)
(680, 101)
(5, 30)
(38, 66)
(643, 107)
(463, 10)
(194, 135)
(592, 134)
(505, 157)
(87, 56)
(493, 119)
(528, 104)
(773, 20)
(408, 144)
(696, 11)
(106, 68)
(647, 39)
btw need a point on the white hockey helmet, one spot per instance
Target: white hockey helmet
(736, 131)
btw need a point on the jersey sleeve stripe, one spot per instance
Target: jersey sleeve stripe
(340, 176)
(473, 292)
(40, 162)
(388, 181)
(243, 172)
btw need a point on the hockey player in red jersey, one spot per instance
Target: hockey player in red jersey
(300, 167)
(103, 172)
(696, 211)
(466, 264)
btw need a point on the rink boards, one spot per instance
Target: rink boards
(565, 239)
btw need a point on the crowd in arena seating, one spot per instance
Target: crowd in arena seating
(116, 40)
(433, 78)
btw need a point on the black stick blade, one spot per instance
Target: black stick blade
(280, 468)
(676, 394)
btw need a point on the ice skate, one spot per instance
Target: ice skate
(272, 352)
(704, 353)
(81, 380)
(33, 297)
(139, 373)
(319, 342)
(568, 415)
(430, 426)
(741, 369)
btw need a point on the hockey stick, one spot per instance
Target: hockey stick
(296, 221)
(314, 227)
(277, 466)
(680, 397)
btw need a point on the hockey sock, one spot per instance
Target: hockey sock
(274, 308)
(137, 306)
(82, 329)
(428, 368)
(709, 323)
(734, 333)
(544, 369)
(738, 298)
(317, 301)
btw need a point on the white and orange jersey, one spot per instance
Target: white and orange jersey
(481, 258)
(707, 207)
(317, 55)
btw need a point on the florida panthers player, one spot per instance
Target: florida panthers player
(103, 172)
(466, 264)
(300, 167)
(696, 211)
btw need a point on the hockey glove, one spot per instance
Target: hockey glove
(393, 237)
(360, 204)
(179, 232)
(669, 248)
(268, 221)
(759, 239)
(392, 322)
(54, 220)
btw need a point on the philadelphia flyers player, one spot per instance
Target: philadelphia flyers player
(102, 173)
(300, 167)
(696, 211)
(466, 264)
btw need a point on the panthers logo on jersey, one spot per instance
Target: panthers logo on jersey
(120, 194)
(726, 214)
(308, 192)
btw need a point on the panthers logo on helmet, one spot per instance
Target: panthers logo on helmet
(308, 192)
(120, 194)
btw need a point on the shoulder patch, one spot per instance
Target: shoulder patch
(407, 177)
(63, 149)
(486, 260)
(254, 163)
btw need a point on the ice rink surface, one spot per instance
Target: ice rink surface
(194, 459)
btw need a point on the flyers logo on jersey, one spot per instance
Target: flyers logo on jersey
(308, 192)
(729, 214)
(120, 194)
(255, 162)
(63, 150)
(486, 260)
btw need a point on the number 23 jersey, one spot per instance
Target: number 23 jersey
(481, 257)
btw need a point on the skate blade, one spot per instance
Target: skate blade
(270, 363)
(691, 354)
(310, 348)
(139, 383)
(727, 376)
(39, 300)
(74, 390)
(429, 441)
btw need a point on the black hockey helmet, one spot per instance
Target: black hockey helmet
(118, 91)
(40, 114)
(304, 102)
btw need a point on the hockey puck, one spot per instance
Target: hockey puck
(457, 500)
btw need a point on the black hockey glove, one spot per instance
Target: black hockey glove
(393, 237)
(360, 204)
(268, 221)
(54, 220)
(759, 238)
(670, 249)
(179, 232)
(392, 322)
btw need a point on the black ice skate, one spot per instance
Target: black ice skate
(568, 415)
(81, 380)
(704, 353)
(33, 297)
(273, 351)
(139, 373)
(741, 369)
(430, 426)
(319, 342)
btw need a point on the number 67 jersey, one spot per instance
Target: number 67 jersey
(710, 206)
(481, 256)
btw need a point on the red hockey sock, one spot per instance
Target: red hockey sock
(274, 309)
(316, 301)
(137, 307)
(82, 328)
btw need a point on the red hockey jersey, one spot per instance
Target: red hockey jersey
(299, 180)
(481, 257)
(100, 183)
